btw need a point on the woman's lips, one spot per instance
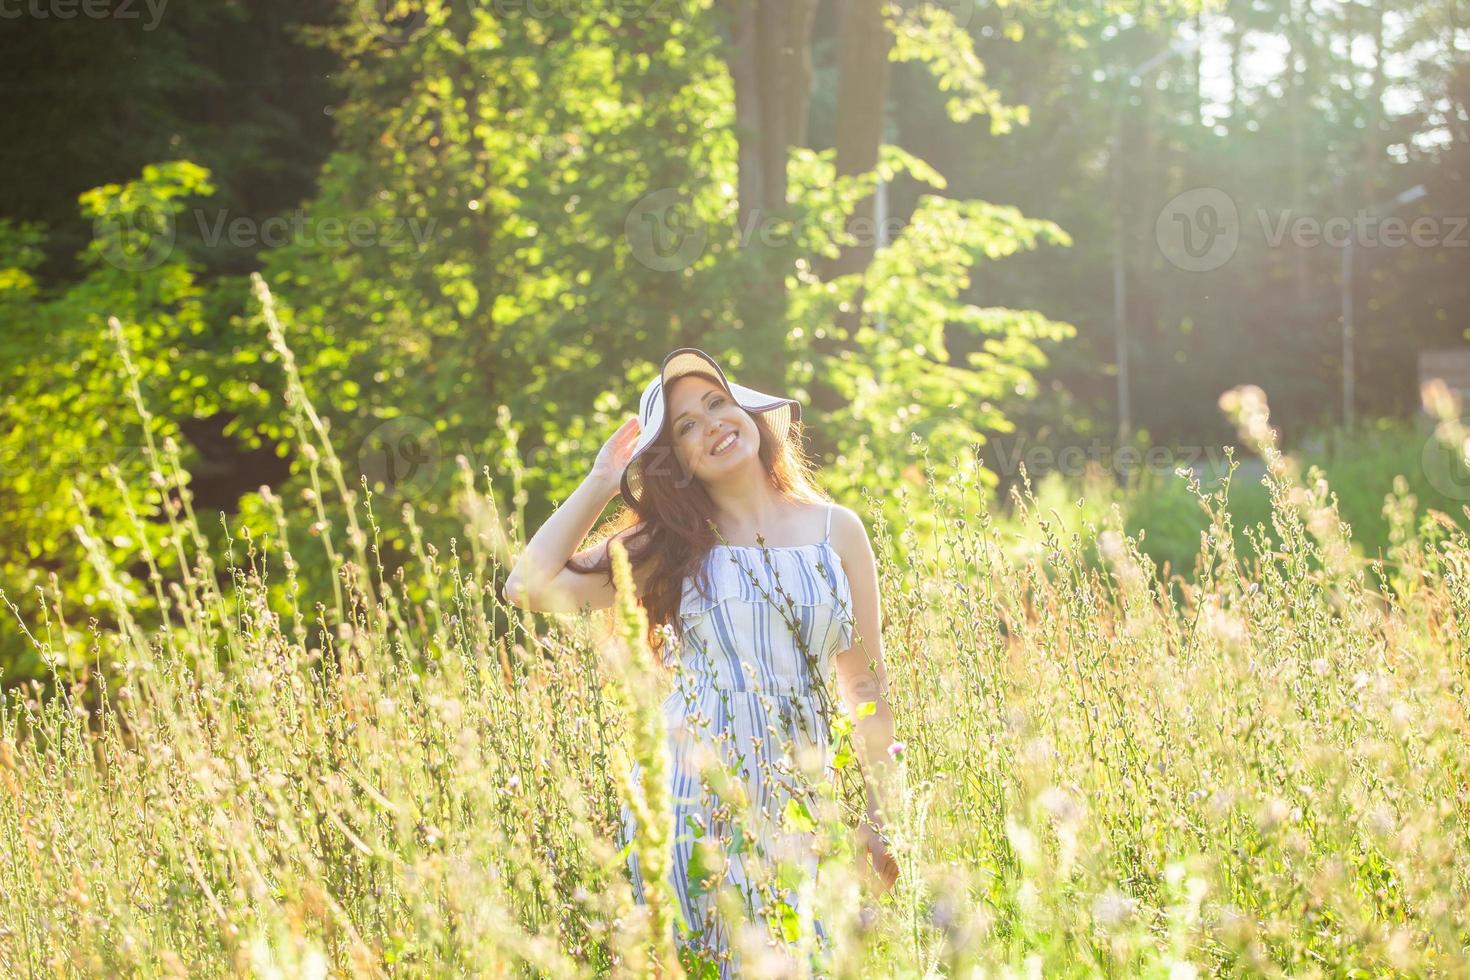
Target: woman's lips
(725, 444)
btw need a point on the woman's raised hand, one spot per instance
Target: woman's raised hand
(613, 457)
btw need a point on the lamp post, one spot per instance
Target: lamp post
(880, 203)
(1120, 278)
(1349, 328)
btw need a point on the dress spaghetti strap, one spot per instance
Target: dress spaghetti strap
(828, 535)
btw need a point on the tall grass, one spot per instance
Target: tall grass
(1262, 771)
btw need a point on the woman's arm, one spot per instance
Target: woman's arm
(540, 580)
(862, 676)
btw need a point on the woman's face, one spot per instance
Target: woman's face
(711, 434)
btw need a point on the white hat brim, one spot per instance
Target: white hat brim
(779, 411)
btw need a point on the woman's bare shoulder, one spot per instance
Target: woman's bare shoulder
(849, 534)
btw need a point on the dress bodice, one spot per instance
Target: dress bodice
(771, 620)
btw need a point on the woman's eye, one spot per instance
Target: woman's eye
(686, 426)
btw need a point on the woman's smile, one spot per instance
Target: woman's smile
(727, 441)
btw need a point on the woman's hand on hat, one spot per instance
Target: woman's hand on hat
(613, 457)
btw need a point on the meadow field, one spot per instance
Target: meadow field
(1179, 679)
(1257, 769)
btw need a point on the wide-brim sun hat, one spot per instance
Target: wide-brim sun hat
(778, 410)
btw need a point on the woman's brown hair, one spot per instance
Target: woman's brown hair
(676, 516)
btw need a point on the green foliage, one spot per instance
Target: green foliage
(102, 91)
(515, 176)
(893, 372)
(513, 148)
(70, 434)
(532, 156)
(929, 34)
(1375, 466)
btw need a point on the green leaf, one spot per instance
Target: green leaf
(789, 921)
(798, 818)
(699, 871)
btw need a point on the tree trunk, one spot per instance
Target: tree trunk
(862, 95)
(1237, 44)
(770, 63)
(1197, 71)
(1297, 36)
(1373, 130)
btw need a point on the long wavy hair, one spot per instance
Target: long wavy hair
(677, 517)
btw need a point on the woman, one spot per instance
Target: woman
(759, 580)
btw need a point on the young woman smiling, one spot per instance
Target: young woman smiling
(756, 586)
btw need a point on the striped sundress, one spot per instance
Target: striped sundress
(750, 676)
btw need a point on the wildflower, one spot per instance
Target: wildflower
(1113, 908)
(1381, 820)
(1223, 625)
(896, 749)
(1060, 804)
(1274, 812)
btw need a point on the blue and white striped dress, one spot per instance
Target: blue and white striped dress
(750, 677)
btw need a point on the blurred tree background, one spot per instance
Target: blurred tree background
(486, 221)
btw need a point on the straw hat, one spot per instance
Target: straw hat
(780, 411)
